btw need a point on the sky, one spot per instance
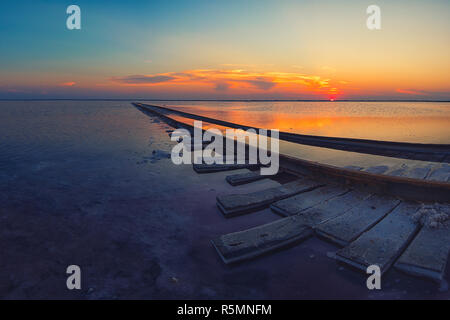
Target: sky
(214, 49)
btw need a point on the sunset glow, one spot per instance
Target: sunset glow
(283, 50)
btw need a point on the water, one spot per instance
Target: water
(420, 122)
(39, 131)
(423, 122)
(33, 133)
(88, 183)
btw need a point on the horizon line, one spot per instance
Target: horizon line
(226, 100)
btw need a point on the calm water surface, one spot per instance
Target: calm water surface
(35, 131)
(424, 122)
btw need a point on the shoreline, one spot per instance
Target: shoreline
(216, 100)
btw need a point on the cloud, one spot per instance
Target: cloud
(233, 80)
(68, 84)
(261, 84)
(222, 86)
(413, 92)
(141, 79)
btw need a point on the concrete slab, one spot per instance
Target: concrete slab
(295, 205)
(235, 204)
(349, 226)
(247, 244)
(382, 244)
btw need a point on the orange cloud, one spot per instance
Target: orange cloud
(236, 79)
(413, 92)
(67, 84)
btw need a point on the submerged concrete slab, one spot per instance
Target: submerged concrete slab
(208, 168)
(419, 171)
(282, 233)
(331, 208)
(352, 167)
(440, 173)
(243, 178)
(295, 205)
(235, 204)
(427, 255)
(382, 244)
(398, 171)
(377, 169)
(247, 244)
(349, 226)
